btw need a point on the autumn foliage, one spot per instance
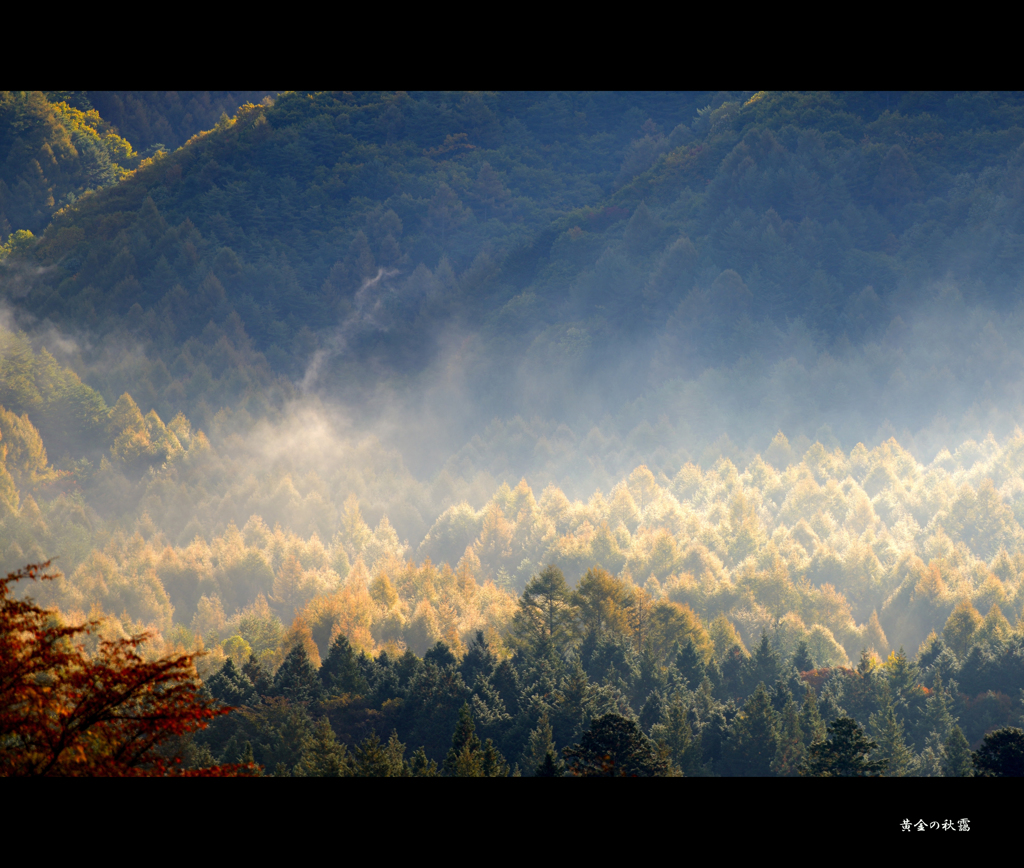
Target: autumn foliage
(64, 712)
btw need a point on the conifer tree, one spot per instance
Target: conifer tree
(230, 686)
(957, 761)
(690, 664)
(296, 680)
(376, 760)
(420, 766)
(812, 726)
(937, 717)
(753, 739)
(675, 733)
(614, 746)
(892, 750)
(540, 744)
(247, 759)
(802, 660)
(789, 756)
(549, 768)
(651, 712)
(493, 764)
(929, 761)
(828, 705)
(322, 756)
(465, 757)
(340, 672)
(844, 753)
(545, 616)
(763, 667)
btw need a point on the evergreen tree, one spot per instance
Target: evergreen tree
(892, 750)
(958, 761)
(420, 766)
(789, 756)
(258, 676)
(811, 725)
(540, 744)
(652, 711)
(549, 768)
(674, 732)
(690, 664)
(545, 616)
(340, 672)
(231, 686)
(247, 759)
(573, 705)
(754, 738)
(493, 764)
(441, 655)
(322, 756)
(376, 760)
(930, 761)
(506, 682)
(478, 662)
(802, 660)
(465, 757)
(296, 680)
(764, 666)
(937, 715)
(843, 754)
(829, 706)
(614, 746)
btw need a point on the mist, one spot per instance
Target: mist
(730, 378)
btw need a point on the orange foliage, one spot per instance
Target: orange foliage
(64, 713)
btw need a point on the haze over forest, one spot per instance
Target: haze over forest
(420, 412)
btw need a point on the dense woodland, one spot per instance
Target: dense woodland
(490, 434)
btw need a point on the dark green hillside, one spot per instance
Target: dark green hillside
(289, 209)
(574, 251)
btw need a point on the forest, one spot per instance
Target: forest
(503, 434)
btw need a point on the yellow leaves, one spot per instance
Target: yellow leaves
(960, 627)
(670, 623)
(602, 602)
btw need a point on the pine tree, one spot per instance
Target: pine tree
(376, 760)
(614, 746)
(843, 754)
(465, 757)
(892, 750)
(754, 738)
(420, 766)
(958, 761)
(690, 664)
(549, 768)
(545, 616)
(802, 660)
(929, 761)
(340, 672)
(296, 680)
(540, 743)
(811, 725)
(763, 667)
(789, 756)
(675, 733)
(652, 711)
(937, 716)
(829, 706)
(230, 686)
(322, 756)
(247, 759)
(493, 764)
